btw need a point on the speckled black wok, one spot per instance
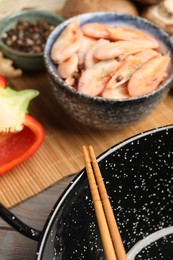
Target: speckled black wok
(139, 178)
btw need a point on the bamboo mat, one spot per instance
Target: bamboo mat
(61, 155)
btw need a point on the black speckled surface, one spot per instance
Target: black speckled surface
(138, 174)
(103, 113)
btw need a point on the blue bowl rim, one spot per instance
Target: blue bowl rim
(86, 16)
(16, 14)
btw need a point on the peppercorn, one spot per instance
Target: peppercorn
(28, 36)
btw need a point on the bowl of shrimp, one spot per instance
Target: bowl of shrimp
(109, 70)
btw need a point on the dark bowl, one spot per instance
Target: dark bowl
(23, 60)
(99, 112)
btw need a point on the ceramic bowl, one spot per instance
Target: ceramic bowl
(26, 61)
(99, 112)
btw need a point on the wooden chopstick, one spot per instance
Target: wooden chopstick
(111, 239)
(101, 219)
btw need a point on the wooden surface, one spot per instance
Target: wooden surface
(63, 142)
(33, 212)
(65, 136)
(60, 155)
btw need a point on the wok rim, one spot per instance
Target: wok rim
(50, 220)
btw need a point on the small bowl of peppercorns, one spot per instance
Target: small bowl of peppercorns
(23, 36)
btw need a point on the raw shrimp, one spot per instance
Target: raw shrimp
(119, 33)
(68, 67)
(149, 76)
(67, 43)
(86, 44)
(129, 66)
(119, 92)
(90, 59)
(133, 35)
(119, 50)
(113, 62)
(96, 30)
(74, 78)
(93, 80)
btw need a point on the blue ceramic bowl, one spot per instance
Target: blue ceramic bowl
(26, 61)
(103, 113)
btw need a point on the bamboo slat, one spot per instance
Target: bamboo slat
(60, 155)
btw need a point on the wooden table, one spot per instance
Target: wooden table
(33, 212)
(67, 137)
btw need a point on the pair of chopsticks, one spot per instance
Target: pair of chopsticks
(111, 238)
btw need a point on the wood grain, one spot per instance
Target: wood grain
(33, 212)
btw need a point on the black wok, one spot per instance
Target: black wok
(139, 178)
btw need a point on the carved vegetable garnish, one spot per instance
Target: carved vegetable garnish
(20, 134)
